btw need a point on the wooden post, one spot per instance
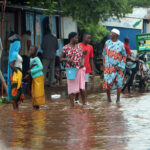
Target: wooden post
(34, 27)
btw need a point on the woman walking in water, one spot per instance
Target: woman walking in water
(73, 56)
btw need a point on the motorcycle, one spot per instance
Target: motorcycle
(133, 67)
(143, 76)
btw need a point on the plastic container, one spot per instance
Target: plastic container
(71, 73)
(55, 96)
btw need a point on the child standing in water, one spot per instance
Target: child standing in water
(36, 67)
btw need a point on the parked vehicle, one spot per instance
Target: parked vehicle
(134, 71)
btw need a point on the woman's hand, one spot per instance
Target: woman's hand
(14, 69)
(33, 66)
(27, 77)
(93, 74)
(12, 65)
(81, 66)
(69, 60)
(82, 63)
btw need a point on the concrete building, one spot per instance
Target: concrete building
(132, 24)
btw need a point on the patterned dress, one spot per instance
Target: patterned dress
(75, 54)
(14, 82)
(114, 56)
(17, 94)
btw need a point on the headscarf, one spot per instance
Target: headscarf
(13, 54)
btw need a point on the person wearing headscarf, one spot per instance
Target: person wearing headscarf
(14, 82)
(114, 61)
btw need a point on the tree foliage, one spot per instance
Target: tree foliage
(97, 31)
(87, 11)
(143, 3)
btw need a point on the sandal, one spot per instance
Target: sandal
(108, 101)
(118, 102)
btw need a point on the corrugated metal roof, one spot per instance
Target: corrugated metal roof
(26, 8)
(29, 8)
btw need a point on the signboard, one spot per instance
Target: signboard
(143, 42)
(126, 22)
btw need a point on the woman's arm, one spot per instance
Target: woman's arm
(82, 63)
(12, 65)
(64, 59)
(38, 68)
(122, 63)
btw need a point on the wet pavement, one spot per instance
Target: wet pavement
(99, 126)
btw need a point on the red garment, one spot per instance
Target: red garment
(127, 47)
(88, 53)
(75, 54)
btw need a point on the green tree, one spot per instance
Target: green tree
(97, 31)
(87, 13)
(143, 3)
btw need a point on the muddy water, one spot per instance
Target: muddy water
(99, 126)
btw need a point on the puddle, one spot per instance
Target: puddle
(98, 126)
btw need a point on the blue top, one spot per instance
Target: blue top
(37, 70)
(13, 54)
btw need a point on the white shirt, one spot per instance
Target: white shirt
(18, 62)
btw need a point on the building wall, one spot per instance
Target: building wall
(146, 27)
(9, 25)
(30, 25)
(130, 25)
(67, 25)
(38, 24)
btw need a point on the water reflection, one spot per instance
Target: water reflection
(17, 129)
(38, 129)
(81, 130)
(114, 128)
(96, 127)
(27, 129)
(137, 113)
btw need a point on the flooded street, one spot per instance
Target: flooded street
(99, 126)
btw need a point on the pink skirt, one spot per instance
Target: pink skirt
(74, 86)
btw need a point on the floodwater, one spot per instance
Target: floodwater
(99, 126)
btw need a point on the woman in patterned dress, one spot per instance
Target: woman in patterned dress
(73, 56)
(114, 59)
